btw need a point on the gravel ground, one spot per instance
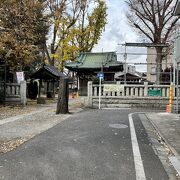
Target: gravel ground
(9, 111)
(6, 146)
(14, 110)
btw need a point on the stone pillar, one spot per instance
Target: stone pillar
(132, 91)
(145, 89)
(141, 92)
(95, 91)
(90, 93)
(127, 91)
(136, 92)
(23, 92)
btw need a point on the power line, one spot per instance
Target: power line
(144, 45)
(146, 63)
(145, 54)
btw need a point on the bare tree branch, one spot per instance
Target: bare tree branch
(137, 26)
(153, 19)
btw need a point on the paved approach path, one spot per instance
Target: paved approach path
(91, 145)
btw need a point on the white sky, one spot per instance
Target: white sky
(118, 31)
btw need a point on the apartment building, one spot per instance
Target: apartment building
(151, 63)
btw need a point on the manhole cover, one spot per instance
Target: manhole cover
(118, 126)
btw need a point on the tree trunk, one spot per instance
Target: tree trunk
(52, 52)
(158, 64)
(62, 104)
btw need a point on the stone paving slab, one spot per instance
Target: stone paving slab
(176, 163)
(169, 127)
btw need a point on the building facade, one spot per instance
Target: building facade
(151, 63)
(88, 65)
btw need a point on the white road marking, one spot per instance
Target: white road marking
(140, 174)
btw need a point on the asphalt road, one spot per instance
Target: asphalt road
(90, 145)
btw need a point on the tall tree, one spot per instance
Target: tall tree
(19, 22)
(154, 20)
(61, 11)
(41, 26)
(85, 33)
(91, 24)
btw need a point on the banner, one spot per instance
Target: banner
(20, 76)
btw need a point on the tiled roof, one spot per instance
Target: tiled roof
(47, 72)
(94, 61)
(54, 71)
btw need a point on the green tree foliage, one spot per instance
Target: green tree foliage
(74, 25)
(22, 25)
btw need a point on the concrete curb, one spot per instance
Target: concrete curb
(173, 159)
(174, 152)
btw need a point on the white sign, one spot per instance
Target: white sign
(113, 88)
(20, 76)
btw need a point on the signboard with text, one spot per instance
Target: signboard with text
(113, 88)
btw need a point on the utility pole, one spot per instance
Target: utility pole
(125, 66)
(176, 62)
(125, 61)
(177, 90)
(101, 76)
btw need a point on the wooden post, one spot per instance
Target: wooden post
(47, 89)
(53, 90)
(63, 97)
(40, 84)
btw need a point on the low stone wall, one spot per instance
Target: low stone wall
(16, 93)
(119, 102)
(129, 95)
